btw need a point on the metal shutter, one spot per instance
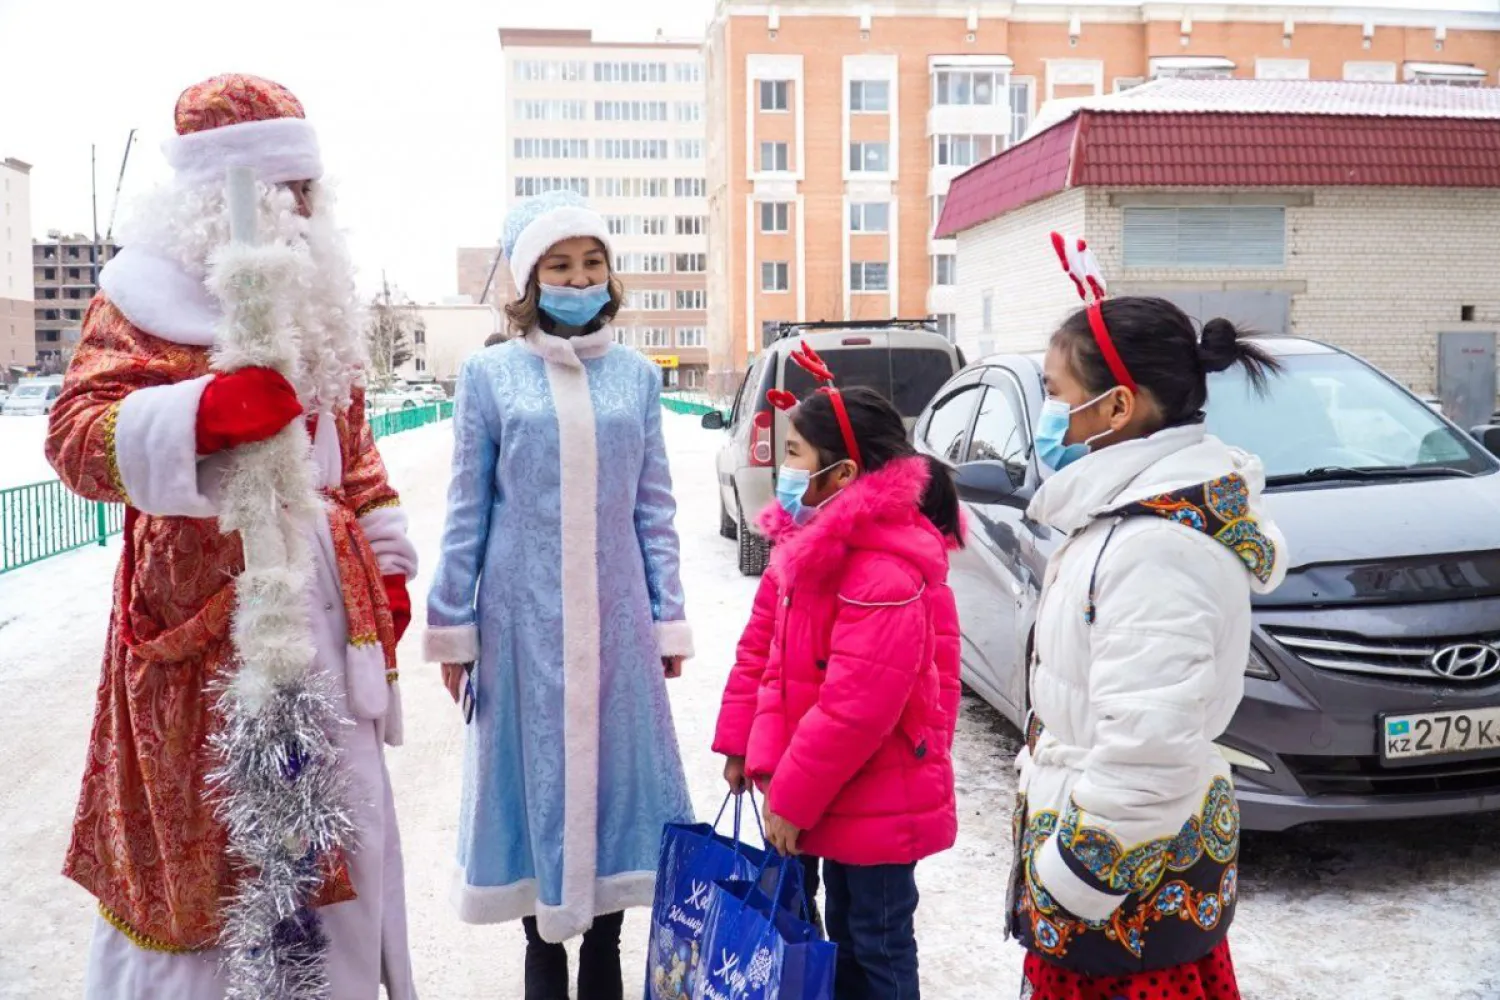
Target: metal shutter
(1227, 236)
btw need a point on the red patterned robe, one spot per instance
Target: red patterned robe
(145, 839)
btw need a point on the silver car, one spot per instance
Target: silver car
(1373, 684)
(902, 359)
(33, 398)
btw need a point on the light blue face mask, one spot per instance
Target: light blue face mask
(574, 306)
(791, 487)
(1052, 429)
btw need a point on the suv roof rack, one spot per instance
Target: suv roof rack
(792, 329)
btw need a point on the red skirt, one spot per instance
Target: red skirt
(1209, 978)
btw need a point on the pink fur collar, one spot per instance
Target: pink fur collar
(880, 510)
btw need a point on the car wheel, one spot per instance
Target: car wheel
(408, 405)
(755, 551)
(728, 528)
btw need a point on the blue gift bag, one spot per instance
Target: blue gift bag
(694, 857)
(757, 949)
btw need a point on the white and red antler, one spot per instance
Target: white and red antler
(1078, 261)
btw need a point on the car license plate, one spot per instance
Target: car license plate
(1434, 734)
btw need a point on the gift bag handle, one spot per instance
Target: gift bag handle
(739, 804)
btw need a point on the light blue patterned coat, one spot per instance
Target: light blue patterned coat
(559, 576)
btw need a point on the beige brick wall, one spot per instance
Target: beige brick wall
(1012, 260)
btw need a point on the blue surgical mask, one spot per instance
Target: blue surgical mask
(1052, 429)
(791, 487)
(574, 306)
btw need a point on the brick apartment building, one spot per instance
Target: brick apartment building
(623, 124)
(17, 329)
(835, 128)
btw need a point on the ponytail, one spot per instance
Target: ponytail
(940, 502)
(1222, 346)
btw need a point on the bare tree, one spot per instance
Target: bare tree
(394, 324)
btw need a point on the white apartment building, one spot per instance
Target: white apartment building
(623, 125)
(17, 291)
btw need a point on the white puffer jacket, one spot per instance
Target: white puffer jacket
(1141, 643)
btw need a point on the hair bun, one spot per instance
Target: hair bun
(1218, 346)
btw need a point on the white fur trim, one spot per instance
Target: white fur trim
(393, 726)
(478, 904)
(386, 531)
(328, 453)
(580, 645)
(564, 223)
(1077, 896)
(675, 639)
(156, 449)
(364, 676)
(159, 296)
(451, 644)
(569, 352)
(278, 150)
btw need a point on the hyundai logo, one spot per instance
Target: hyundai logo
(1468, 661)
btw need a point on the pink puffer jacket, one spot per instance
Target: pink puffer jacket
(845, 689)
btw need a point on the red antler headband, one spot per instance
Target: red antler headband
(808, 360)
(1079, 263)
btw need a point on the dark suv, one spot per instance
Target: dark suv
(1373, 684)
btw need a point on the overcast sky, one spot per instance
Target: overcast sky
(405, 94)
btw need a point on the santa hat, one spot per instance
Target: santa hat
(236, 120)
(535, 225)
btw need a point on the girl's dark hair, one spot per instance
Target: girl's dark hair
(882, 439)
(1163, 353)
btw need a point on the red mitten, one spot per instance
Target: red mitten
(244, 407)
(399, 600)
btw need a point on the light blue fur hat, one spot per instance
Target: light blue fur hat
(535, 225)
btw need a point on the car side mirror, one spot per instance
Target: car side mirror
(1488, 436)
(713, 420)
(989, 482)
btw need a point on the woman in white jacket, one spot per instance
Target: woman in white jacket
(1127, 828)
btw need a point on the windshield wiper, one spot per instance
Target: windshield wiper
(1333, 473)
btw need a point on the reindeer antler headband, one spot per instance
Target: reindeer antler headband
(808, 360)
(1079, 263)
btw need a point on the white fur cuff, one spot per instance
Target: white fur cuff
(385, 529)
(453, 644)
(278, 150)
(156, 449)
(675, 639)
(1077, 896)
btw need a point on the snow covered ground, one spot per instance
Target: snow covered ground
(21, 460)
(1389, 912)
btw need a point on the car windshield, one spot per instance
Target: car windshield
(1331, 411)
(908, 377)
(30, 391)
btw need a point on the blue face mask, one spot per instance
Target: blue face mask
(791, 487)
(574, 306)
(1052, 429)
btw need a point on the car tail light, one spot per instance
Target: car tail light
(761, 451)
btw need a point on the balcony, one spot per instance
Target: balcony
(969, 119)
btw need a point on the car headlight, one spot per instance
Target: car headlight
(1257, 666)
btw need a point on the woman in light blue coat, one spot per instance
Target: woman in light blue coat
(557, 610)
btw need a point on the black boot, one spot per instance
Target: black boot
(599, 961)
(546, 966)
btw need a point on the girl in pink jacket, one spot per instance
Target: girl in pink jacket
(845, 691)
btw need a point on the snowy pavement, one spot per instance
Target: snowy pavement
(1388, 912)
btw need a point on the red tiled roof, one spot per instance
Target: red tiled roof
(1220, 149)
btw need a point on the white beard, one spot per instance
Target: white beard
(186, 224)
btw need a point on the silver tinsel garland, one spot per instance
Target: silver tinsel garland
(282, 794)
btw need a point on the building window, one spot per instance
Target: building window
(551, 149)
(964, 150)
(938, 201)
(774, 157)
(870, 97)
(869, 276)
(551, 111)
(641, 263)
(648, 300)
(631, 187)
(691, 225)
(869, 157)
(690, 187)
(688, 72)
(691, 263)
(690, 299)
(870, 217)
(538, 70)
(530, 187)
(49, 273)
(689, 111)
(627, 149)
(653, 336)
(630, 72)
(774, 94)
(1217, 236)
(987, 313)
(774, 276)
(966, 86)
(1370, 72)
(690, 149)
(690, 336)
(636, 225)
(630, 111)
(624, 336)
(1020, 108)
(945, 269)
(774, 216)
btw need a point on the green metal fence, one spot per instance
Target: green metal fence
(46, 519)
(691, 404)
